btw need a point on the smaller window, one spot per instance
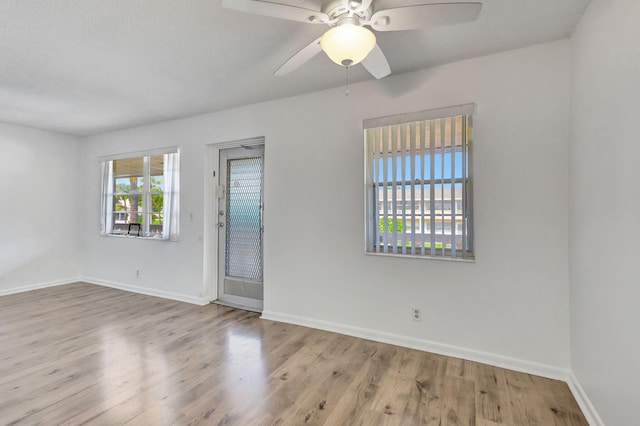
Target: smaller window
(140, 196)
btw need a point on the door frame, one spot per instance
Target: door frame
(211, 230)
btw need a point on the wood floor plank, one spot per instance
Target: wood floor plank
(491, 397)
(330, 378)
(83, 354)
(397, 385)
(425, 404)
(565, 409)
(459, 402)
(358, 397)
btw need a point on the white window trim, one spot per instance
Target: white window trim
(430, 114)
(135, 154)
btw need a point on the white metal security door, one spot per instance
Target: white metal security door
(240, 227)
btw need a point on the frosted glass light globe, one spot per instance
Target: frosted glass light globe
(347, 44)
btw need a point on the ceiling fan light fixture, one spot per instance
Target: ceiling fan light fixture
(347, 44)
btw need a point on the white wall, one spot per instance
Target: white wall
(169, 269)
(40, 205)
(513, 301)
(605, 207)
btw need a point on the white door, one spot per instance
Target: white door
(240, 227)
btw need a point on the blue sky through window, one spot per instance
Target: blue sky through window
(420, 162)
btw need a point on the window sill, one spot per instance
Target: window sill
(137, 237)
(414, 256)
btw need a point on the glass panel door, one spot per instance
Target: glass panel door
(240, 227)
(243, 255)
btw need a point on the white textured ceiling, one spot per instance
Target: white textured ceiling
(89, 66)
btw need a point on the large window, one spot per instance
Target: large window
(418, 184)
(140, 195)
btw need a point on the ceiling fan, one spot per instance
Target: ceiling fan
(349, 42)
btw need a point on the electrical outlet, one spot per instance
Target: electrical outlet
(137, 273)
(416, 314)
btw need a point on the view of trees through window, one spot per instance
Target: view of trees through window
(134, 199)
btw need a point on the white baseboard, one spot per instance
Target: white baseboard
(585, 404)
(127, 287)
(426, 345)
(148, 291)
(21, 289)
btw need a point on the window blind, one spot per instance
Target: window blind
(419, 185)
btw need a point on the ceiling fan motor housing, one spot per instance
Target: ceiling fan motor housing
(337, 10)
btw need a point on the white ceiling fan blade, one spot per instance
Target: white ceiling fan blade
(424, 15)
(376, 63)
(277, 10)
(306, 53)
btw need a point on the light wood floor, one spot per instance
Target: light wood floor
(84, 354)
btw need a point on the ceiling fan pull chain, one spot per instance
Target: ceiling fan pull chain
(348, 70)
